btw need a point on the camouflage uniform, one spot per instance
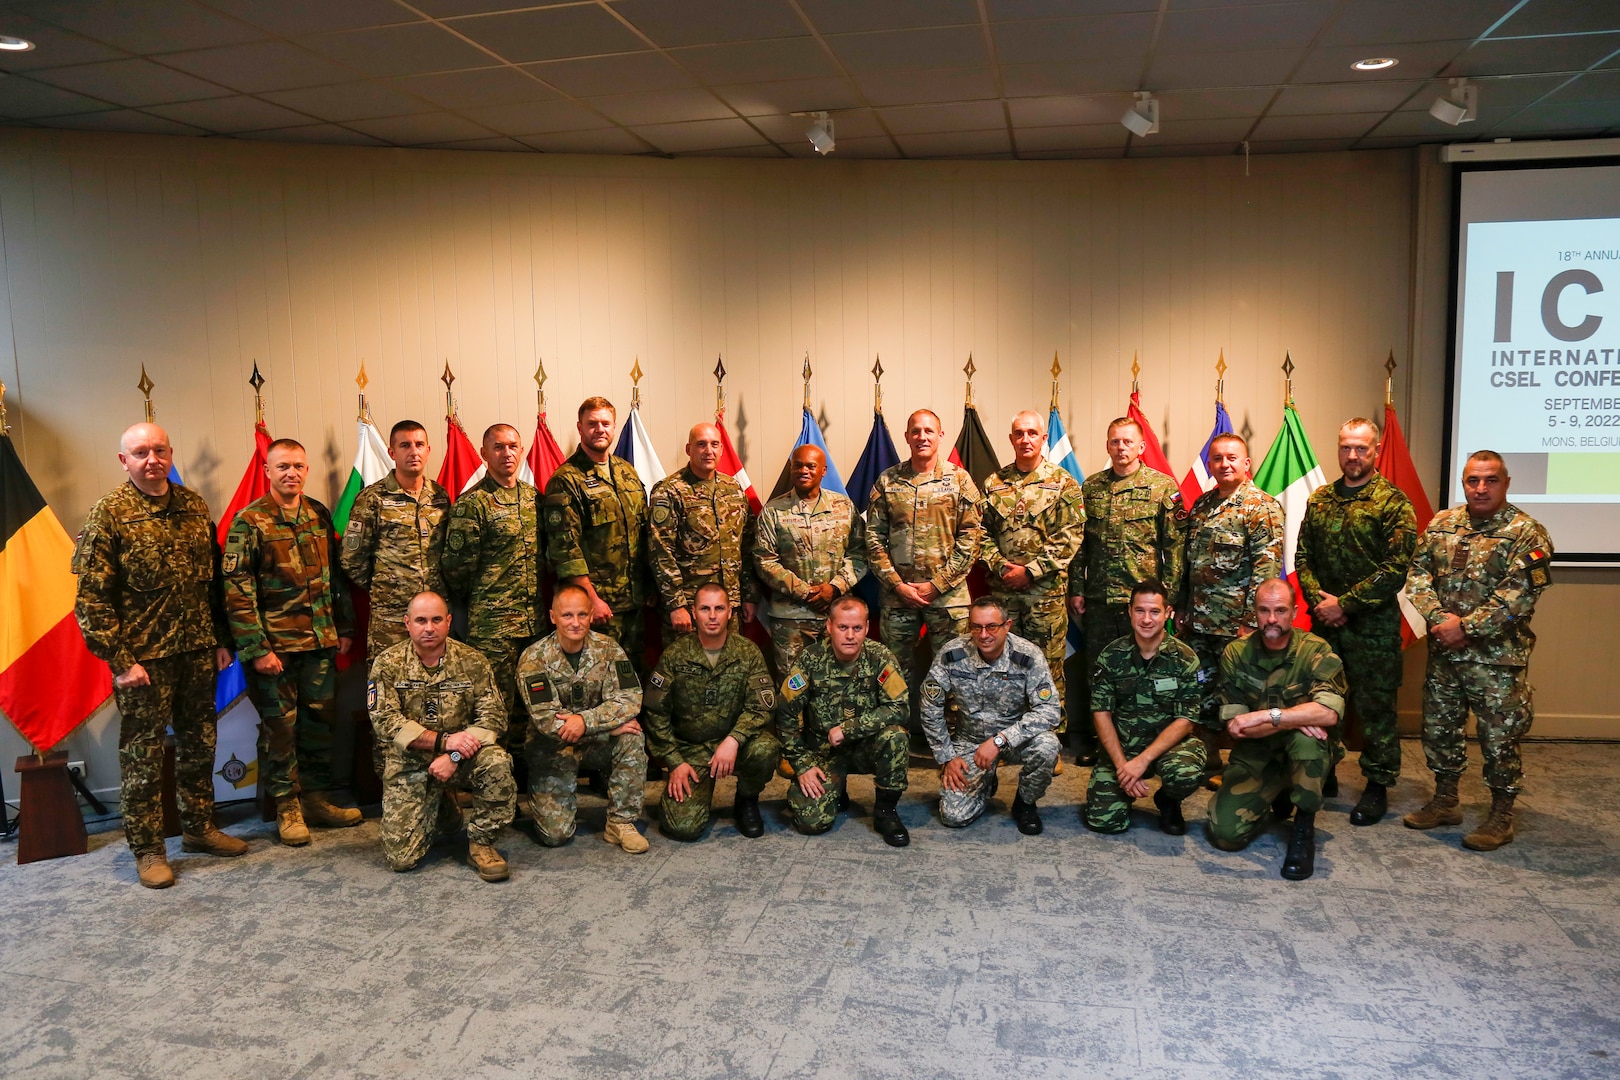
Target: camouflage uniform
(285, 593)
(491, 563)
(407, 698)
(868, 702)
(1491, 573)
(1013, 696)
(596, 527)
(1036, 520)
(1357, 544)
(149, 594)
(1142, 698)
(605, 690)
(1259, 771)
(391, 547)
(922, 528)
(800, 544)
(699, 531)
(692, 707)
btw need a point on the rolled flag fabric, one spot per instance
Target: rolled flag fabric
(462, 466)
(636, 447)
(1058, 450)
(255, 483)
(1289, 474)
(810, 433)
(878, 455)
(544, 455)
(1152, 453)
(732, 465)
(371, 464)
(1198, 480)
(973, 451)
(1395, 465)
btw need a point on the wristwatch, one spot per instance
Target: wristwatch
(1276, 717)
(1000, 740)
(455, 757)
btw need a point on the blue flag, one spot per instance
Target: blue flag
(1058, 450)
(810, 434)
(878, 455)
(231, 683)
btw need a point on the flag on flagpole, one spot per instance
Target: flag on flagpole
(1198, 480)
(1152, 453)
(255, 482)
(49, 681)
(636, 447)
(1395, 465)
(462, 465)
(1289, 474)
(1058, 449)
(732, 465)
(810, 434)
(878, 455)
(371, 464)
(973, 450)
(544, 455)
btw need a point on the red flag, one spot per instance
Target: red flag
(544, 454)
(461, 460)
(255, 482)
(732, 465)
(1152, 453)
(1395, 465)
(49, 682)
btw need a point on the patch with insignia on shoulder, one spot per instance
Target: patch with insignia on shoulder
(765, 692)
(627, 675)
(539, 688)
(797, 681)
(1537, 564)
(660, 513)
(659, 680)
(228, 562)
(892, 682)
(371, 695)
(554, 517)
(1044, 694)
(933, 691)
(1175, 499)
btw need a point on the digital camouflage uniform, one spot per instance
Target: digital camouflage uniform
(596, 527)
(391, 547)
(922, 528)
(692, 707)
(868, 702)
(285, 593)
(1490, 573)
(698, 533)
(1259, 771)
(491, 563)
(1013, 696)
(1035, 520)
(1357, 544)
(605, 690)
(1142, 698)
(149, 594)
(799, 544)
(407, 698)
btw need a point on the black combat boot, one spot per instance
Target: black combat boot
(1027, 817)
(745, 814)
(1373, 806)
(1300, 862)
(1170, 820)
(886, 819)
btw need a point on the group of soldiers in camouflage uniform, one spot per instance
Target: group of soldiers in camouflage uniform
(1188, 629)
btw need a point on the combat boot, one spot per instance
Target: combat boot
(745, 813)
(152, 867)
(625, 835)
(321, 811)
(1440, 810)
(488, 862)
(1300, 862)
(1027, 817)
(1171, 822)
(1498, 828)
(290, 822)
(886, 819)
(1373, 806)
(1282, 808)
(213, 842)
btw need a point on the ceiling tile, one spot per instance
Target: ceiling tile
(329, 134)
(1067, 110)
(152, 26)
(1393, 22)
(550, 33)
(474, 89)
(122, 120)
(535, 117)
(1176, 132)
(1391, 143)
(399, 50)
(1272, 26)
(1008, 10)
(1301, 146)
(612, 74)
(748, 61)
(131, 82)
(1569, 117)
(1215, 104)
(296, 17)
(1418, 60)
(601, 141)
(1561, 17)
(971, 116)
(348, 101)
(231, 114)
(699, 135)
(955, 144)
(1196, 70)
(52, 47)
(1332, 98)
(920, 87)
(701, 22)
(661, 107)
(1069, 137)
(908, 50)
(425, 128)
(796, 95)
(859, 124)
(853, 16)
(499, 143)
(259, 66)
(1332, 126)
(1062, 41)
(1533, 55)
(447, 9)
(24, 99)
(1071, 155)
(761, 150)
(1140, 149)
(1099, 75)
(1596, 86)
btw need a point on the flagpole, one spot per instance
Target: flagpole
(1220, 379)
(1136, 369)
(539, 389)
(635, 385)
(877, 385)
(449, 397)
(360, 380)
(5, 428)
(1389, 379)
(719, 389)
(257, 382)
(1288, 380)
(968, 369)
(806, 374)
(1057, 369)
(145, 387)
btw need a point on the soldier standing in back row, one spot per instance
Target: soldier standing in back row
(149, 604)
(1131, 535)
(1476, 577)
(1355, 546)
(700, 529)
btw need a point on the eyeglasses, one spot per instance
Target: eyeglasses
(986, 628)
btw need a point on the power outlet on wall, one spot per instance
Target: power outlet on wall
(77, 768)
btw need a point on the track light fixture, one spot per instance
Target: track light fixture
(1459, 106)
(1143, 117)
(821, 133)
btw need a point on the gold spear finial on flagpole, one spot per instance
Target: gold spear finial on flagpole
(361, 381)
(1057, 369)
(968, 369)
(257, 382)
(145, 387)
(1220, 377)
(877, 385)
(5, 428)
(539, 386)
(719, 387)
(449, 398)
(1389, 379)
(635, 385)
(806, 373)
(1136, 369)
(1288, 380)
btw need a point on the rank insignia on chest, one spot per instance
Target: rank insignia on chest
(430, 708)
(592, 480)
(711, 697)
(228, 562)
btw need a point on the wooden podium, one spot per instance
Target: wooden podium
(50, 825)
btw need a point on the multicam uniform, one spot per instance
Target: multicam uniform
(149, 594)
(1491, 573)
(596, 527)
(391, 547)
(799, 544)
(285, 594)
(1012, 696)
(693, 704)
(699, 531)
(408, 698)
(1142, 698)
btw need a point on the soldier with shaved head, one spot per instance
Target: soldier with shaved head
(701, 526)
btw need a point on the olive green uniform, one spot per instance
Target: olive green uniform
(596, 527)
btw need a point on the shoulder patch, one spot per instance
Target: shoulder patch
(659, 680)
(660, 512)
(893, 684)
(627, 675)
(795, 685)
(934, 692)
(764, 691)
(229, 561)
(1540, 572)
(1022, 660)
(539, 688)
(955, 656)
(371, 695)
(1044, 694)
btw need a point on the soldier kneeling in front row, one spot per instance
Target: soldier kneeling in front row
(435, 704)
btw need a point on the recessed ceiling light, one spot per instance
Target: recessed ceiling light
(15, 44)
(1375, 63)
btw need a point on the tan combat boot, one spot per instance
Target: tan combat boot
(488, 862)
(152, 867)
(1498, 828)
(321, 811)
(290, 822)
(213, 842)
(1440, 810)
(625, 835)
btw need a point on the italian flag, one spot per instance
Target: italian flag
(371, 464)
(1290, 473)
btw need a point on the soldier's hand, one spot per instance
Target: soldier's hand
(986, 754)
(1017, 578)
(1449, 632)
(135, 676)
(573, 728)
(629, 727)
(1328, 610)
(268, 664)
(724, 761)
(813, 782)
(953, 776)
(601, 613)
(223, 658)
(1315, 732)
(748, 613)
(909, 595)
(442, 768)
(679, 783)
(680, 620)
(1130, 778)
(927, 593)
(835, 737)
(1242, 726)
(821, 595)
(464, 741)
(344, 645)
(1077, 606)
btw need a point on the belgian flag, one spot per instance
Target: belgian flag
(49, 682)
(974, 452)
